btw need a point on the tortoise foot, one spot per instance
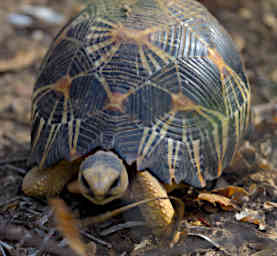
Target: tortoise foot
(158, 213)
(49, 181)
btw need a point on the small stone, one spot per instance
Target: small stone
(239, 42)
(274, 75)
(43, 13)
(20, 20)
(270, 20)
(245, 13)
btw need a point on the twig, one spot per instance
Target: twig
(97, 240)
(28, 238)
(109, 214)
(215, 244)
(4, 246)
(119, 227)
(12, 161)
(14, 168)
(9, 201)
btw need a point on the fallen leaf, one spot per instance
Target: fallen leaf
(253, 189)
(269, 205)
(232, 192)
(199, 221)
(223, 201)
(251, 216)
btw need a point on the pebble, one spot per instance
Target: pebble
(20, 20)
(43, 13)
(246, 13)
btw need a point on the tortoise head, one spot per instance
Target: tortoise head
(103, 177)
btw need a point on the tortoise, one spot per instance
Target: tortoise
(155, 84)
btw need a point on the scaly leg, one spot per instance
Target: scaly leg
(157, 213)
(49, 181)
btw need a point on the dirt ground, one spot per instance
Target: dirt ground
(26, 224)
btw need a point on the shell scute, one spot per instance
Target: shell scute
(159, 82)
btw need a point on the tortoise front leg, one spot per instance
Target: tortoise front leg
(157, 213)
(49, 181)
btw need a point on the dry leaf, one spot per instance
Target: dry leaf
(253, 189)
(251, 216)
(68, 226)
(223, 201)
(233, 192)
(199, 221)
(270, 205)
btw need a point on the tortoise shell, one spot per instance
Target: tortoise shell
(159, 82)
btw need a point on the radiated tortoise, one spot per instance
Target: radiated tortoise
(156, 84)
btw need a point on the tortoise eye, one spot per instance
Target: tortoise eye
(115, 183)
(85, 183)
